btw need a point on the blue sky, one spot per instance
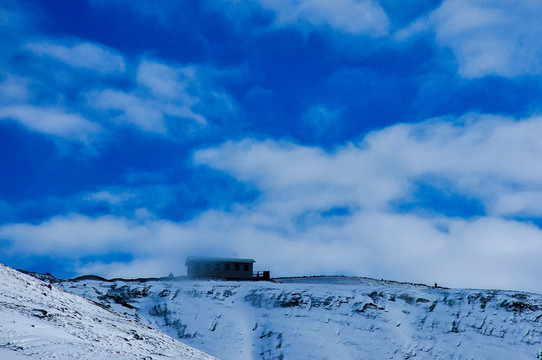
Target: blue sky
(389, 139)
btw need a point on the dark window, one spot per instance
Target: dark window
(246, 267)
(236, 267)
(217, 266)
(228, 267)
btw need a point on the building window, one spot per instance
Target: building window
(228, 267)
(236, 267)
(217, 266)
(246, 267)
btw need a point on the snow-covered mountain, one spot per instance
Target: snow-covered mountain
(40, 321)
(329, 317)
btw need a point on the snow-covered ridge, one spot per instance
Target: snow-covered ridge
(40, 321)
(330, 317)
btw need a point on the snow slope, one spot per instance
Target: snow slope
(40, 321)
(330, 318)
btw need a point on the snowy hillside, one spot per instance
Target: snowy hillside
(330, 318)
(39, 321)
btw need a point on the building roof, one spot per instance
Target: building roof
(217, 259)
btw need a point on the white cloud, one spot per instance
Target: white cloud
(476, 154)
(14, 89)
(74, 235)
(109, 197)
(135, 269)
(344, 176)
(524, 203)
(487, 158)
(346, 16)
(81, 55)
(332, 212)
(52, 121)
(147, 113)
(492, 38)
(166, 82)
(166, 99)
(418, 26)
(486, 252)
(144, 113)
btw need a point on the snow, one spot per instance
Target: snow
(330, 317)
(289, 318)
(40, 321)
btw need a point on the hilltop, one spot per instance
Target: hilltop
(40, 321)
(329, 317)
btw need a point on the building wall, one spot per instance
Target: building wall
(221, 270)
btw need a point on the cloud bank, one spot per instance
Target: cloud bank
(343, 211)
